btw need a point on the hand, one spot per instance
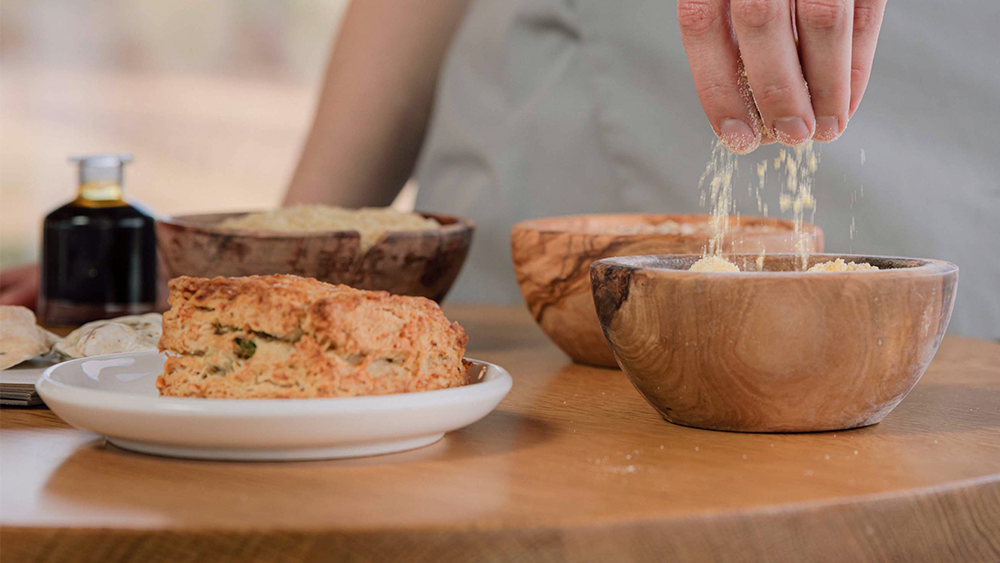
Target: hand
(19, 286)
(783, 44)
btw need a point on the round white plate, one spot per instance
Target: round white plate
(115, 395)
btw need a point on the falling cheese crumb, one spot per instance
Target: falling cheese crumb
(714, 264)
(716, 182)
(839, 265)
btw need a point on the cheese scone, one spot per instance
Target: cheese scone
(289, 337)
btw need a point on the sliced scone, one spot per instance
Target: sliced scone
(285, 336)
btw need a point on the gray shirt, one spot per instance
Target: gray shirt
(553, 107)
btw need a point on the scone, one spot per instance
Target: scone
(286, 337)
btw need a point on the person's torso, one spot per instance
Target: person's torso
(552, 107)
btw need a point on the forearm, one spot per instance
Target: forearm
(375, 103)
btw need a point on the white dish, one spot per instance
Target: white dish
(115, 395)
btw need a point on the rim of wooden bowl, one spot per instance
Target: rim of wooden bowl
(455, 225)
(644, 263)
(559, 224)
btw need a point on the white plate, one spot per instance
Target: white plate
(115, 395)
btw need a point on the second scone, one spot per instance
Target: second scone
(285, 337)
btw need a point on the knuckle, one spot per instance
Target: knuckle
(866, 16)
(822, 14)
(755, 13)
(697, 16)
(834, 94)
(713, 93)
(773, 95)
(858, 75)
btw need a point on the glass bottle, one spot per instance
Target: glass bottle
(98, 252)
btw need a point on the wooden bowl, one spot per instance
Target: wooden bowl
(423, 263)
(552, 258)
(777, 350)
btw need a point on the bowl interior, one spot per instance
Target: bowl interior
(693, 225)
(209, 222)
(779, 263)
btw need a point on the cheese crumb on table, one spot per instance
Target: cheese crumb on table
(839, 265)
(713, 264)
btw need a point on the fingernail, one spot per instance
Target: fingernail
(827, 128)
(791, 131)
(737, 136)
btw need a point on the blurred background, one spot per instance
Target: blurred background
(213, 98)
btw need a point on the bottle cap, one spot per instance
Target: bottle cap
(108, 167)
(106, 160)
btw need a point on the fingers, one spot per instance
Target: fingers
(780, 46)
(19, 286)
(11, 276)
(867, 23)
(767, 44)
(825, 29)
(718, 74)
(24, 293)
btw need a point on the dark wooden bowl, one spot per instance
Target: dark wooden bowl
(423, 263)
(552, 258)
(778, 350)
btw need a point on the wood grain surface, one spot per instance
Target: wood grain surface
(573, 466)
(777, 350)
(552, 258)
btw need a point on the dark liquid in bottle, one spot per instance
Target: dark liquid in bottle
(98, 261)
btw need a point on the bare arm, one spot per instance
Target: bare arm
(375, 103)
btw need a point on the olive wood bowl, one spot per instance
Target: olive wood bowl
(777, 350)
(422, 263)
(552, 258)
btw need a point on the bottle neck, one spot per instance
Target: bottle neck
(100, 193)
(101, 180)
(101, 190)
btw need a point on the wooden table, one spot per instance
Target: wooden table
(572, 466)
